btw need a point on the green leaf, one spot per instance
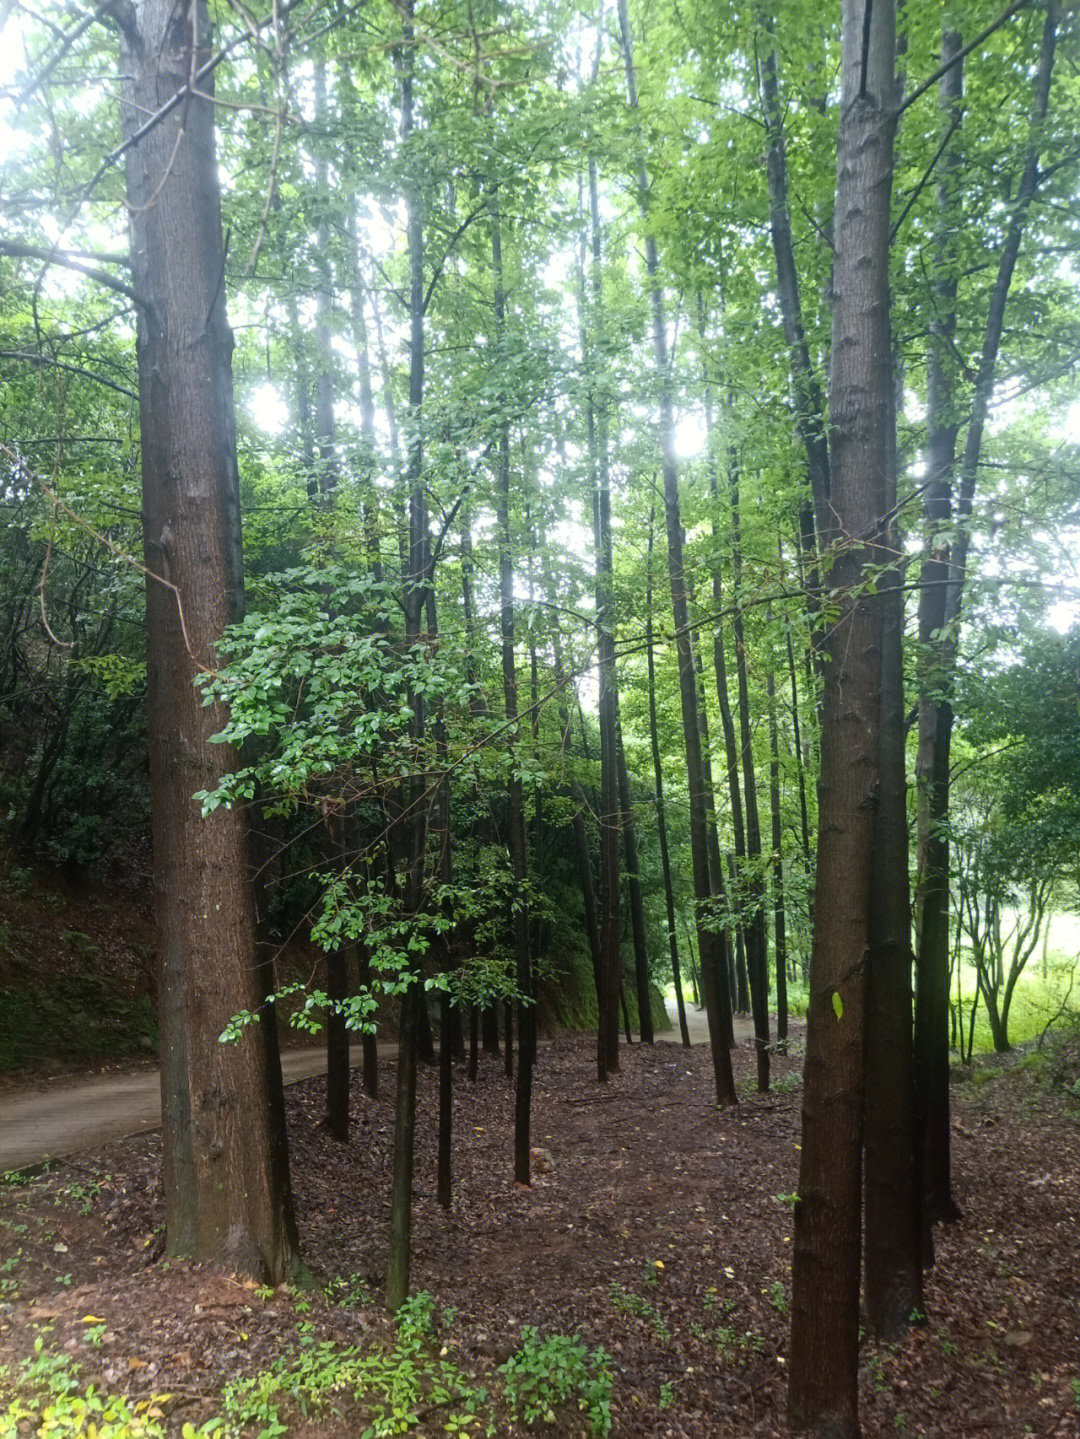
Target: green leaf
(837, 1004)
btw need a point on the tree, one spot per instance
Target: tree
(950, 500)
(226, 1169)
(823, 1393)
(713, 978)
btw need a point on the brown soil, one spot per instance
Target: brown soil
(655, 1228)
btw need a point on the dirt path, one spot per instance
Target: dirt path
(65, 1116)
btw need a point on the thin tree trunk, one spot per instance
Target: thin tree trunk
(415, 574)
(695, 986)
(608, 704)
(753, 883)
(581, 842)
(717, 1000)
(942, 620)
(369, 494)
(446, 1106)
(658, 780)
(804, 816)
(642, 982)
(515, 791)
(741, 987)
(725, 972)
(776, 839)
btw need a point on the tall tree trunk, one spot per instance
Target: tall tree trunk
(609, 813)
(322, 484)
(776, 840)
(731, 749)
(515, 790)
(226, 1180)
(717, 998)
(823, 1392)
(931, 765)
(892, 1288)
(806, 388)
(637, 908)
(796, 727)
(725, 974)
(325, 482)
(369, 459)
(581, 842)
(415, 575)
(751, 884)
(658, 779)
(939, 622)
(741, 988)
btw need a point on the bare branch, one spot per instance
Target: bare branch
(35, 358)
(66, 259)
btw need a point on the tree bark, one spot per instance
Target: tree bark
(515, 791)
(717, 999)
(415, 574)
(823, 1392)
(642, 983)
(607, 1038)
(753, 883)
(658, 780)
(776, 839)
(227, 1196)
(941, 599)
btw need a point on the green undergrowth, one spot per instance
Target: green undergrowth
(47, 1398)
(415, 1386)
(1033, 1074)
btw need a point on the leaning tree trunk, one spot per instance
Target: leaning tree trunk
(225, 1167)
(823, 1392)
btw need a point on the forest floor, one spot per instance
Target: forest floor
(657, 1228)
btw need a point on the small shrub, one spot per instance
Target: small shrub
(544, 1374)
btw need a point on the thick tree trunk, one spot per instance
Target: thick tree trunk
(823, 1392)
(225, 1169)
(892, 1290)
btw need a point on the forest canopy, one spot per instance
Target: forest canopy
(515, 470)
